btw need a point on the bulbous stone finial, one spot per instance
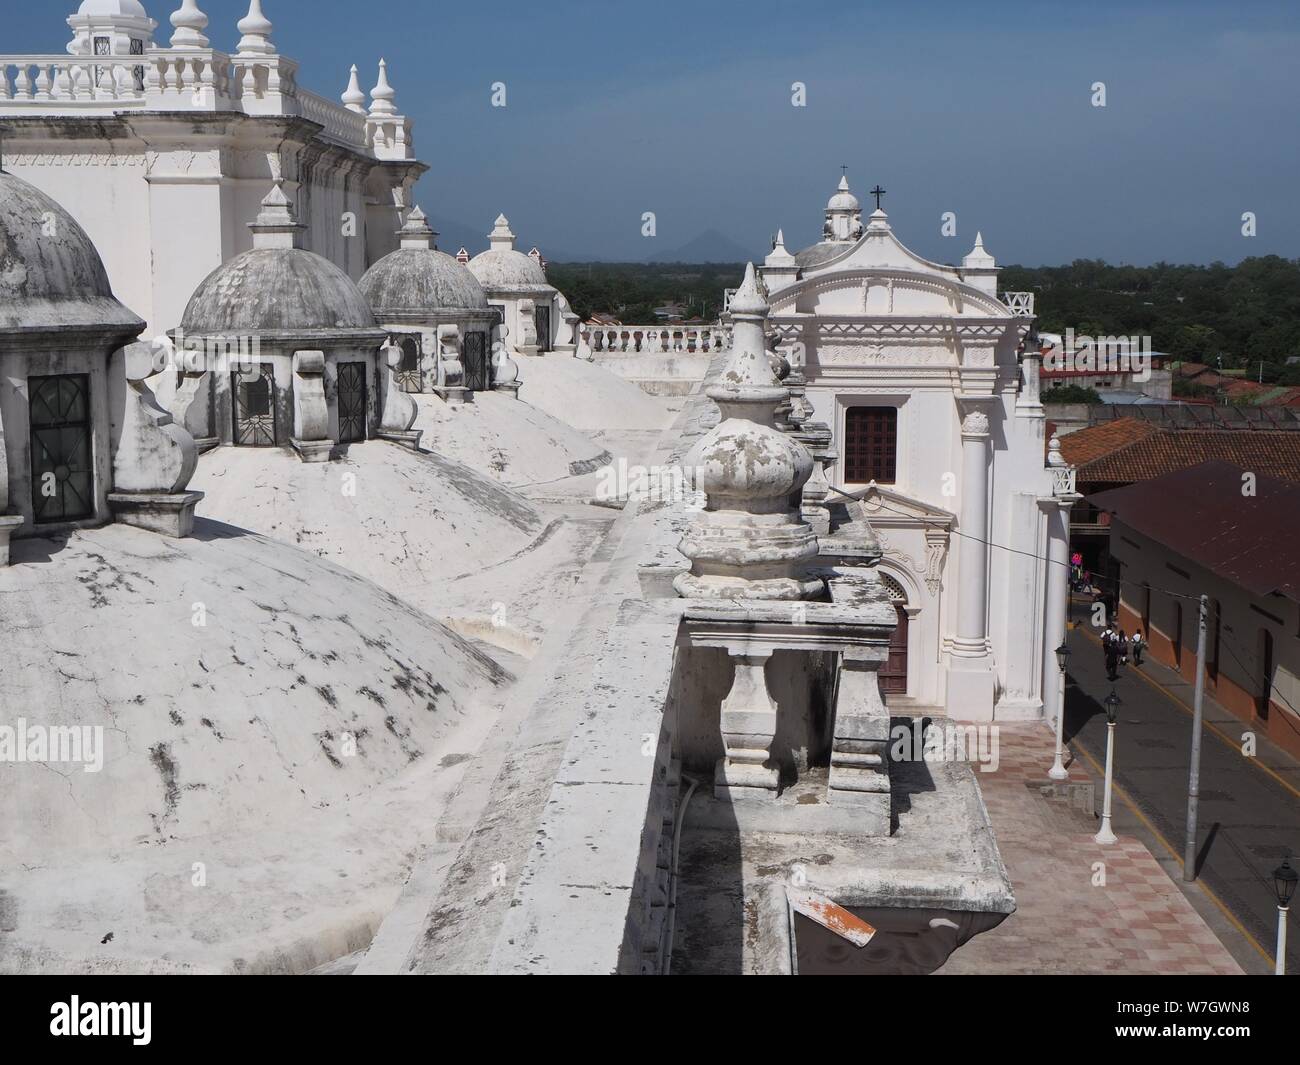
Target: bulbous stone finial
(750, 542)
(383, 94)
(256, 28)
(189, 23)
(354, 98)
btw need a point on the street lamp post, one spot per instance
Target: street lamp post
(1284, 882)
(1058, 770)
(1105, 835)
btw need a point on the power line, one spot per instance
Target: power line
(1041, 558)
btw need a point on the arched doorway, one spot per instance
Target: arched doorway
(893, 674)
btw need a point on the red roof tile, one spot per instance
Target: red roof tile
(1084, 445)
(1201, 514)
(1267, 453)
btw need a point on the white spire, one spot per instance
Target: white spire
(501, 238)
(189, 23)
(382, 95)
(276, 226)
(417, 234)
(978, 259)
(256, 28)
(354, 98)
(779, 257)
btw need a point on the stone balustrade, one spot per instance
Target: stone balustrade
(651, 339)
(170, 80)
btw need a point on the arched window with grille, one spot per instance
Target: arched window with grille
(870, 445)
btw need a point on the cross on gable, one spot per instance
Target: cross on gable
(877, 192)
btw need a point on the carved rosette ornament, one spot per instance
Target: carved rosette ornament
(750, 541)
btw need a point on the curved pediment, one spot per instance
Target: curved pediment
(876, 290)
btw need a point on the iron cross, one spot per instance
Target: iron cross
(877, 192)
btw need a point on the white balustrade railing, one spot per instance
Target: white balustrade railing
(655, 339)
(340, 124)
(1021, 303)
(170, 80)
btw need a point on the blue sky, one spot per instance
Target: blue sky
(684, 109)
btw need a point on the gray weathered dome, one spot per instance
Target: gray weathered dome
(505, 270)
(277, 290)
(51, 276)
(419, 281)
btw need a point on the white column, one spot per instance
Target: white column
(973, 570)
(971, 682)
(1057, 598)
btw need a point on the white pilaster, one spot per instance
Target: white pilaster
(971, 682)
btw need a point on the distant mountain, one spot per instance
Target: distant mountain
(709, 247)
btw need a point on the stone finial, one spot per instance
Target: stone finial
(501, 238)
(383, 94)
(189, 23)
(1054, 454)
(751, 541)
(462, 256)
(276, 226)
(354, 98)
(256, 29)
(417, 233)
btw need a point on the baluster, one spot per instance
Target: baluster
(22, 83)
(5, 94)
(42, 82)
(207, 86)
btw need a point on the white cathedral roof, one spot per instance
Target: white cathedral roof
(113, 7)
(502, 269)
(417, 279)
(277, 288)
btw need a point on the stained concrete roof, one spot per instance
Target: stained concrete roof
(416, 281)
(278, 290)
(51, 275)
(503, 270)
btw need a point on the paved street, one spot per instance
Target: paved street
(1249, 807)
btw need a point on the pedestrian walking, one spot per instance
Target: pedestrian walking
(1136, 646)
(1121, 642)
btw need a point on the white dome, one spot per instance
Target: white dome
(113, 7)
(503, 270)
(843, 200)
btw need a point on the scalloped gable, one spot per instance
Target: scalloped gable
(880, 275)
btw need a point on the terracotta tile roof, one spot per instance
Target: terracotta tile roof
(1201, 514)
(1086, 445)
(1267, 453)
